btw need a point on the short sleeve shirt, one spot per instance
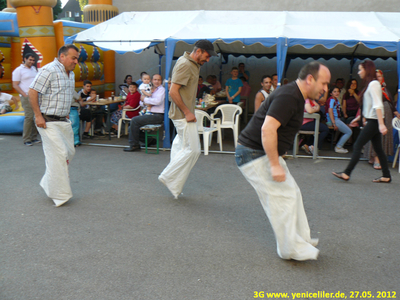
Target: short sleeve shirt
(233, 86)
(286, 105)
(56, 89)
(25, 76)
(185, 73)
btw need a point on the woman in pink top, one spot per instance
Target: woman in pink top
(311, 106)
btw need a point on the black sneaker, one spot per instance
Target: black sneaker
(28, 144)
(85, 135)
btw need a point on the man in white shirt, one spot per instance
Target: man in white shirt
(22, 77)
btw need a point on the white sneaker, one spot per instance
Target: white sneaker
(311, 148)
(341, 150)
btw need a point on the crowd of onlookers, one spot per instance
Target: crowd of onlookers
(340, 112)
(339, 108)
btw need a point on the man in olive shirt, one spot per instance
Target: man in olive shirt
(185, 148)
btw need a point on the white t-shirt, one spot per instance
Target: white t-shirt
(25, 76)
(4, 98)
(145, 87)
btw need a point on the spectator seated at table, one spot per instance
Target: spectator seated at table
(85, 114)
(157, 100)
(202, 88)
(132, 101)
(311, 107)
(213, 84)
(124, 87)
(98, 112)
(351, 101)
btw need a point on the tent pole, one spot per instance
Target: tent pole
(281, 53)
(169, 51)
(160, 56)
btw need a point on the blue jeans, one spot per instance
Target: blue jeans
(244, 154)
(74, 117)
(342, 127)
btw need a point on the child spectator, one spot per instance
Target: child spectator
(202, 88)
(333, 117)
(5, 102)
(132, 101)
(146, 90)
(233, 87)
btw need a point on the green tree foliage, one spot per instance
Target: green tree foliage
(3, 4)
(82, 4)
(57, 9)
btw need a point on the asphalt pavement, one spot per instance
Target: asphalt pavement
(123, 235)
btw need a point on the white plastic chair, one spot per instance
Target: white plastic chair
(396, 125)
(125, 118)
(230, 118)
(315, 133)
(208, 131)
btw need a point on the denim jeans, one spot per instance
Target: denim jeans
(244, 155)
(345, 130)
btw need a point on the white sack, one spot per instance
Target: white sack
(185, 151)
(283, 204)
(58, 148)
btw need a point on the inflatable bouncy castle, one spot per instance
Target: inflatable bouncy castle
(27, 26)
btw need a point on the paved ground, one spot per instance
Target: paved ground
(123, 236)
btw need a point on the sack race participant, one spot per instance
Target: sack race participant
(51, 94)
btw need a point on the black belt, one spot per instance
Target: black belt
(50, 118)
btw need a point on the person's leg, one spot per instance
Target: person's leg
(323, 133)
(58, 148)
(74, 117)
(139, 121)
(282, 202)
(345, 130)
(30, 131)
(369, 130)
(184, 153)
(376, 141)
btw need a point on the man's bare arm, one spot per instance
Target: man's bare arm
(269, 134)
(176, 97)
(34, 101)
(15, 85)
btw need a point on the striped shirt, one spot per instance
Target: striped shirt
(55, 88)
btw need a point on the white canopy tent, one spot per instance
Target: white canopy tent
(261, 33)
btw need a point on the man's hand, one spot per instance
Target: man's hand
(40, 122)
(190, 117)
(278, 173)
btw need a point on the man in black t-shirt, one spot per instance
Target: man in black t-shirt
(269, 134)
